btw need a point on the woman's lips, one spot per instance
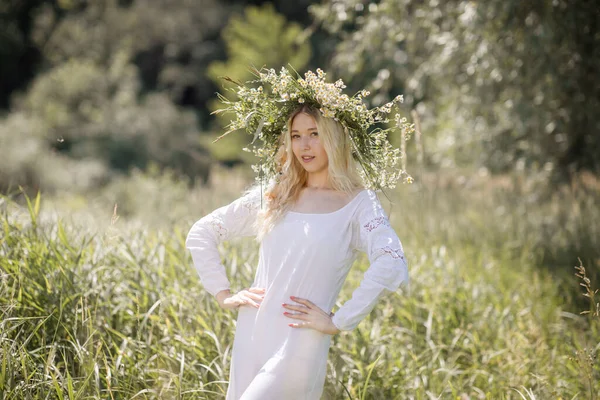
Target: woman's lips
(307, 159)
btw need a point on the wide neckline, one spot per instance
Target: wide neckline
(333, 212)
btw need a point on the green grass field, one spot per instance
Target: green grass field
(103, 306)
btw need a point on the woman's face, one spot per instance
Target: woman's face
(306, 145)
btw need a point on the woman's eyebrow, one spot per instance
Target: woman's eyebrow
(309, 129)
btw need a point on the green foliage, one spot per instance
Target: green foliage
(504, 84)
(77, 94)
(169, 41)
(95, 117)
(261, 37)
(499, 84)
(92, 114)
(92, 107)
(27, 159)
(114, 309)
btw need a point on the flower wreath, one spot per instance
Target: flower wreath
(263, 111)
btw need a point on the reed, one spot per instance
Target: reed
(108, 306)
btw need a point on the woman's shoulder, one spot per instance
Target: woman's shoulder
(253, 197)
(355, 196)
(258, 190)
(366, 196)
(368, 204)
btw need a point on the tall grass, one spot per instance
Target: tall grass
(111, 308)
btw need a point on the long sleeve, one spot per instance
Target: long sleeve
(373, 235)
(230, 221)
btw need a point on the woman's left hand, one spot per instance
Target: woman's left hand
(310, 316)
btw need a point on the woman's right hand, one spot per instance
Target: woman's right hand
(251, 296)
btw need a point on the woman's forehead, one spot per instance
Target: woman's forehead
(303, 121)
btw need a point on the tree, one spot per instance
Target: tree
(502, 84)
(91, 101)
(260, 37)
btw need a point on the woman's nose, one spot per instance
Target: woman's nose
(305, 143)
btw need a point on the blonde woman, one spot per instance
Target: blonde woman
(314, 221)
(311, 221)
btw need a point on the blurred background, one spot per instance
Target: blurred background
(105, 107)
(91, 90)
(109, 101)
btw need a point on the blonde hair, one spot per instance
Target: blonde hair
(342, 169)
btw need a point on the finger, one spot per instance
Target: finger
(307, 303)
(299, 325)
(257, 290)
(302, 317)
(251, 302)
(294, 307)
(254, 296)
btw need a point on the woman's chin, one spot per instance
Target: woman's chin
(312, 170)
(312, 167)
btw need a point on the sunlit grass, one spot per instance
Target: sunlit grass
(95, 306)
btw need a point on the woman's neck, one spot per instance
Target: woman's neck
(318, 181)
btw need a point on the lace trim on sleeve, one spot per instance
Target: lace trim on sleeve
(218, 226)
(395, 253)
(375, 222)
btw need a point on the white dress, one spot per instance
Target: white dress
(307, 256)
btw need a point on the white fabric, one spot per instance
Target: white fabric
(307, 256)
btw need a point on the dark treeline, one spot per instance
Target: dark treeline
(92, 89)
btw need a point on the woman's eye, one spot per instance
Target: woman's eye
(316, 133)
(295, 136)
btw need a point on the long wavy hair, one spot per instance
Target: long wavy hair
(342, 169)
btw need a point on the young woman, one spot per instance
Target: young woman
(315, 220)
